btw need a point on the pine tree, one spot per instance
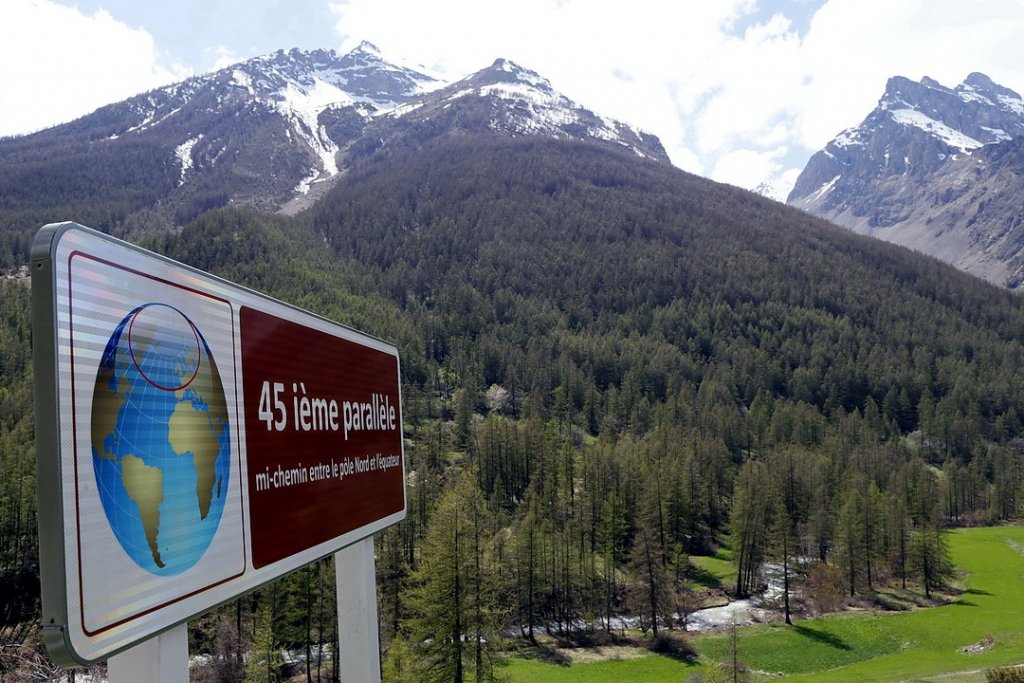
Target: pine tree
(751, 502)
(264, 660)
(650, 594)
(454, 625)
(528, 580)
(930, 558)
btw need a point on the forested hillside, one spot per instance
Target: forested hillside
(610, 366)
(19, 564)
(566, 266)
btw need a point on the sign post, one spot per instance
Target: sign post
(196, 440)
(161, 659)
(359, 650)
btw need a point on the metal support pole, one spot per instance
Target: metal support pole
(359, 646)
(161, 659)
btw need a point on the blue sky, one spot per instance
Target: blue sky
(741, 91)
(197, 32)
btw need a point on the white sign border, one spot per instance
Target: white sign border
(63, 631)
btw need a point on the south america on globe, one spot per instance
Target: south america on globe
(160, 439)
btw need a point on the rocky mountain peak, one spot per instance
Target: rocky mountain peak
(275, 131)
(916, 127)
(361, 76)
(509, 98)
(978, 84)
(366, 47)
(980, 81)
(506, 71)
(875, 178)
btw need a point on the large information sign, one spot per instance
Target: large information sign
(195, 440)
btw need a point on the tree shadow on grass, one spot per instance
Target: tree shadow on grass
(829, 639)
(674, 645)
(545, 654)
(962, 602)
(704, 577)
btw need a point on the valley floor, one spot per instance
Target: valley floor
(983, 628)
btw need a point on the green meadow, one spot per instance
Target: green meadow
(714, 572)
(860, 647)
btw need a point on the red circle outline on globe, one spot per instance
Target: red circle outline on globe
(138, 366)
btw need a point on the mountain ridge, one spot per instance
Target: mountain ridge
(270, 130)
(917, 172)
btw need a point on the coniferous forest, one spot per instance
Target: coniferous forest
(610, 367)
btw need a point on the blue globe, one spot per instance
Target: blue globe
(161, 439)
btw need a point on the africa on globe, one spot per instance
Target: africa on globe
(160, 439)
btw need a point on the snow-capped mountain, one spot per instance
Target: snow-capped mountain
(275, 130)
(902, 174)
(516, 101)
(298, 84)
(317, 100)
(771, 189)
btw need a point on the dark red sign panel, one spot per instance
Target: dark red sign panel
(323, 435)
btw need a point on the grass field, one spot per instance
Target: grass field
(923, 645)
(650, 668)
(714, 572)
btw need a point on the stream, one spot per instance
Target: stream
(739, 612)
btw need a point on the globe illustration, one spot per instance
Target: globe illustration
(160, 439)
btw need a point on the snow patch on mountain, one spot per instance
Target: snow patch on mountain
(998, 134)
(1013, 104)
(823, 190)
(423, 79)
(849, 138)
(302, 106)
(538, 111)
(242, 80)
(537, 100)
(952, 137)
(523, 75)
(306, 101)
(969, 93)
(184, 154)
(150, 120)
(401, 109)
(778, 186)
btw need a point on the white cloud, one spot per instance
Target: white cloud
(638, 63)
(60, 64)
(752, 95)
(747, 167)
(727, 103)
(222, 56)
(854, 46)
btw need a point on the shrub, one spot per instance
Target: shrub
(673, 645)
(1005, 675)
(825, 587)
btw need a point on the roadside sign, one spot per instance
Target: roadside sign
(195, 440)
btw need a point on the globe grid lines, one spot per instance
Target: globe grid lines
(167, 444)
(139, 442)
(138, 366)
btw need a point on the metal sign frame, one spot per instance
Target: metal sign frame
(309, 412)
